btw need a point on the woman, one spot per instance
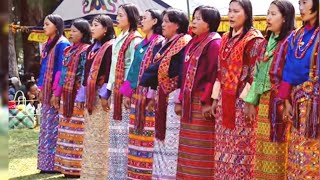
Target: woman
(234, 134)
(51, 64)
(271, 152)
(141, 125)
(196, 155)
(164, 73)
(94, 94)
(123, 54)
(71, 124)
(300, 89)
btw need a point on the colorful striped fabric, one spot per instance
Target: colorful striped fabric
(196, 145)
(70, 142)
(304, 153)
(96, 143)
(47, 137)
(141, 145)
(271, 157)
(235, 148)
(165, 154)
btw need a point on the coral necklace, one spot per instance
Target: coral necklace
(303, 51)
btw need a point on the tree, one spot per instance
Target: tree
(13, 64)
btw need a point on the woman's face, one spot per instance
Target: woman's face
(305, 7)
(275, 19)
(122, 19)
(49, 28)
(198, 25)
(75, 35)
(169, 29)
(236, 15)
(147, 22)
(97, 30)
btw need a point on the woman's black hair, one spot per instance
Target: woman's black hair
(58, 22)
(315, 8)
(247, 7)
(132, 14)
(156, 14)
(288, 13)
(107, 23)
(29, 85)
(84, 27)
(178, 17)
(210, 15)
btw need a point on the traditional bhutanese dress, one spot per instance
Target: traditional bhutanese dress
(96, 131)
(122, 56)
(235, 138)
(142, 121)
(71, 118)
(272, 130)
(301, 79)
(164, 74)
(196, 139)
(51, 64)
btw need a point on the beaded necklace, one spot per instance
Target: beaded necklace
(303, 51)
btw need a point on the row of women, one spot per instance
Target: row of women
(175, 106)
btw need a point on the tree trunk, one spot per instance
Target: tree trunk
(13, 63)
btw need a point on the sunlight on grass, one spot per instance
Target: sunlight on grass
(23, 156)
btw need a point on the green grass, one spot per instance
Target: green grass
(23, 156)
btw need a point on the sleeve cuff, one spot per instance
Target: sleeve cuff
(245, 91)
(126, 89)
(104, 92)
(58, 91)
(176, 96)
(206, 96)
(110, 86)
(81, 95)
(284, 90)
(216, 90)
(56, 80)
(151, 93)
(252, 97)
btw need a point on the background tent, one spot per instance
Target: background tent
(72, 9)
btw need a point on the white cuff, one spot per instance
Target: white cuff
(245, 91)
(216, 90)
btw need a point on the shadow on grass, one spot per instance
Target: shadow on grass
(39, 176)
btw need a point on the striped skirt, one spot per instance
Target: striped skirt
(95, 144)
(271, 157)
(196, 146)
(141, 144)
(165, 154)
(304, 153)
(70, 142)
(47, 138)
(118, 145)
(235, 148)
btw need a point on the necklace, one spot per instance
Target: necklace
(68, 55)
(268, 54)
(159, 56)
(301, 50)
(228, 47)
(189, 54)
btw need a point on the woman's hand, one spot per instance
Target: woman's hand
(249, 112)
(127, 102)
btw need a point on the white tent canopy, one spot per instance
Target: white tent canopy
(260, 7)
(72, 9)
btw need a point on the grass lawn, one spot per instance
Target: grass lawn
(23, 156)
